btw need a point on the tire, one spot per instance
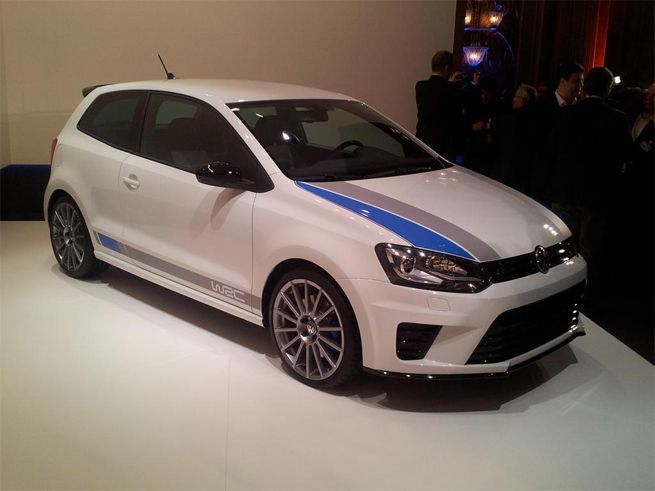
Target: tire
(314, 329)
(71, 242)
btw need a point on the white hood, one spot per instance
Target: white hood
(483, 217)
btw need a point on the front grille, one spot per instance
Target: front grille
(525, 328)
(414, 340)
(526, 264)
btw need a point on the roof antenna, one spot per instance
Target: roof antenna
(169, 75)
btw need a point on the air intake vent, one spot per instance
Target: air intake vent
(520, 330)
(414, 340)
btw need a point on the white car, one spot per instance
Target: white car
(310, 214)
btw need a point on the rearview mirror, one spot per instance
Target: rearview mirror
(310, 115)
(223, 174)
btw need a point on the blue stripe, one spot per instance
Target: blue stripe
(13, 168)
(414, 233)
(109, 243)
(26, 166)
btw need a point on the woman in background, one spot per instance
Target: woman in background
(513, 158)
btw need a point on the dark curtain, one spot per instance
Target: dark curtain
(630, 42)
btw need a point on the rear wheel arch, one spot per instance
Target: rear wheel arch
(60, 193)
(54, 197)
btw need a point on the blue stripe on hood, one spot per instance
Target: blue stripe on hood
(414, 233)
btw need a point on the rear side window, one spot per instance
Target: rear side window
(188, 134)
(115, 118)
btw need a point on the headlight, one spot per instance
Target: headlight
(420, 268)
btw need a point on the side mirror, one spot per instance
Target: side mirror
(225, 175)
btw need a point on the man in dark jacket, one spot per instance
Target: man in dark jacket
(570, 77)
(438, 104)
(593, 145)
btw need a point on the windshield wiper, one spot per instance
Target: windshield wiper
(364, 174)
(406, 169)
(328, 177)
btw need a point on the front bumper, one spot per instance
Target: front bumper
(464, 319)
(504, 369)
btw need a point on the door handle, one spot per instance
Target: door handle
(131, 182)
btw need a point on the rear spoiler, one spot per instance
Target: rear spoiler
(87, 90)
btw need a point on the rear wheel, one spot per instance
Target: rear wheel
(314, 329)
(70, 240)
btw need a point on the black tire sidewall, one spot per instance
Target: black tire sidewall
(351, 360)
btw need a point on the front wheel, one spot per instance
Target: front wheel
(71, 242)
(314, 329)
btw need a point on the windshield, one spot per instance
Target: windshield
(333, 140)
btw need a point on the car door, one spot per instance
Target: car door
(109, 131)
(197, 234)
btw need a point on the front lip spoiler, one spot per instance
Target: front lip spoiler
(464, 376)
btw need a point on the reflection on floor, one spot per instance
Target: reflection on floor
(118, 383)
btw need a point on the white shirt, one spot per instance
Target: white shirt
(560, 100)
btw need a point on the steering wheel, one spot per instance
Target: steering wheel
(342, 146)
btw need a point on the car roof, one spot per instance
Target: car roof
(227, 91)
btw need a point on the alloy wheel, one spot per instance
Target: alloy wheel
(68, 239)
(308, 330)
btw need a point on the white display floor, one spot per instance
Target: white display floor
(117, 383)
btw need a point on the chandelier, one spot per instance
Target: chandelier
(481, 18)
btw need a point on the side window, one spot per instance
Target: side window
(188, 135)
(172, 109)
(115, 118)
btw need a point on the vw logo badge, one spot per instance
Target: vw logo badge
(541, 258)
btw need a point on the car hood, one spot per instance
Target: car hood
(453, 210)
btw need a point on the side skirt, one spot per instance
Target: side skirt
(184, 290)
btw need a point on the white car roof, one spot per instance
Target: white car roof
(227, 91)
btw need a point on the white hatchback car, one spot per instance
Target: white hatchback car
(311, 214)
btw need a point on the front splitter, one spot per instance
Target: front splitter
(483, 375)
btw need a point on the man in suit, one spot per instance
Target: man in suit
(643, 131)
(637, 210)
(570, 77)
(593, 146)
(439, 109)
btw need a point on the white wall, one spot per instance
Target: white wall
(4, 127)
(371, 50)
